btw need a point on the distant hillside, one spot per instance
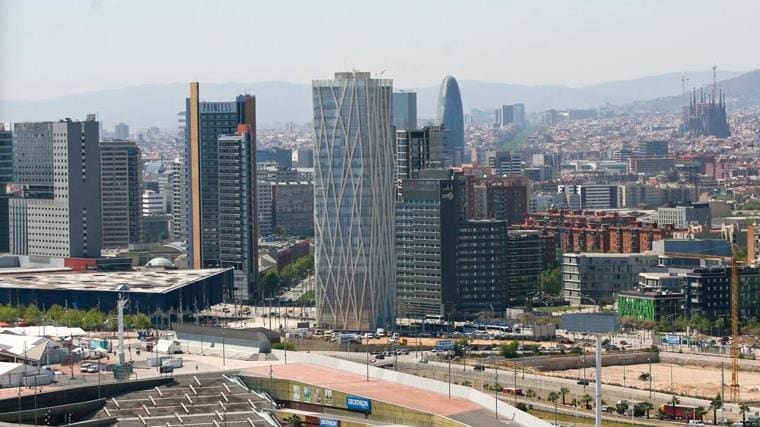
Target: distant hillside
(280, 102)
(740, 91)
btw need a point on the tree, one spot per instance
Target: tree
(744, 409)
(550, 281)
(621, 407)
(645, 407)
(294, 420)
(271, 283)
(554, 397)
(530, 394)
(587, 399)
(32, 314)
(141, 321)
(563, 392)
(700, 412)
(716, 404)
(509, 350)
(720, 325)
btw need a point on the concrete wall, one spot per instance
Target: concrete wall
(561, 363)
(467, 393)
(295, 393)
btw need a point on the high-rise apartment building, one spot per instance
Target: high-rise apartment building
(405, 110)
(120, 193)
(58, 165)
(206, 121)
(507, 198)
(237, 234)
(482, 268)
(354, 202)
(426, 243)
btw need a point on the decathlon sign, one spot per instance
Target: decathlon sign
(358, 404)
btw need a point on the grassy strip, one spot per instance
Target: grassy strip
(579, 420)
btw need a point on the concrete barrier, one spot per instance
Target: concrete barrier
(484, 400)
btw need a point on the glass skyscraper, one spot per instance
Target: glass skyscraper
(450, 115)
(354, 202)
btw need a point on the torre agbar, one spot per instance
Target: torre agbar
(354, 202)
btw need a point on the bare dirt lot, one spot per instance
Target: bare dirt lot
(687, 380)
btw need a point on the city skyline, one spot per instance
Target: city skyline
(570, 47)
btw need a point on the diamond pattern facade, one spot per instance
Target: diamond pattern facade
(354, 202)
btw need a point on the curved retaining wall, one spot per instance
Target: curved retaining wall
(484, 400)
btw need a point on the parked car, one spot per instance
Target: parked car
(84, 367)
(479, 368)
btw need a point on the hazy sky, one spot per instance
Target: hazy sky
(56, 47)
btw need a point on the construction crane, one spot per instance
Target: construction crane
(734, 324)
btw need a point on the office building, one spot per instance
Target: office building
(651, 304)
(292, 207)
(405, 110)
(506, 115)
(419, 149)
(651, 165)
(525, 261)
(597, 278)
(708, 292)
(303, 158)
(58, 166)
(206, 121)
(684, 216)
(121, 131)
(282, 157)
(505, 162)
(120, 193)
(518, 114)
(450, 115)
(153, 203)
(354, 202)
(426, 244)
(237, 232)
(594, 196)
(482, 268)
(653, 148)
(6, 176)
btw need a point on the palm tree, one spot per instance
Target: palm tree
(716, 404)
(586, 399)
(646, 407)
(564, 391)
(554, 397)
(744, 409)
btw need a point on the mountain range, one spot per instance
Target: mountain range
(280, 102)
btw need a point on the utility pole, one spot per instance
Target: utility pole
(496, 392)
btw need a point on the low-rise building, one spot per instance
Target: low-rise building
(597, 278)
